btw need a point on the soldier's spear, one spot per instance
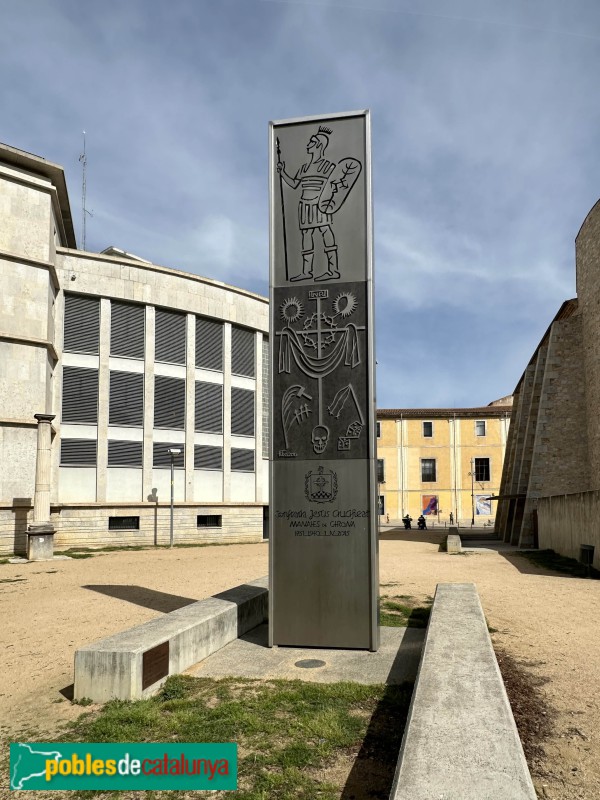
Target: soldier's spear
(287, 277)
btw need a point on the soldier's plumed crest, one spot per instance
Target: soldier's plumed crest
(324, 130)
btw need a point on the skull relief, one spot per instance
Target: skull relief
(320, 437)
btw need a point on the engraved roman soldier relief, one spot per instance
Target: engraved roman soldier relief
(324, 187)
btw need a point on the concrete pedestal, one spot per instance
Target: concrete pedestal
(40, 543)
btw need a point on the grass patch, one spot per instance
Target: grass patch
(403, 611)
(90, 552)
(295, 739)
(549, 559)
(4, 561)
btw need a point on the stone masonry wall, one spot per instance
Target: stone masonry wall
(87, 526)
(502, 513)
(560, 450)
(512, 487)
(523, 529)
(587, 248)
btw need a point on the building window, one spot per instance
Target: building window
(482, 469)
(125, 454)
(162, 458)
(209, 407)
(209, 521)
(127, 330)
(381, 504)
(428, 430)
(480, 427)
(80, 395)
(82, 324)
(428, 470)
(242, 412)
(380, 470)
(242, 460)
(126, 399)
(209, 344)
(169, 402)
(78, 453)
(123, 523)
(208, 457)
(378, 430)
(242, 352)
(169, 337)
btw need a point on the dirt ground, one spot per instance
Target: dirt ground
(547, 622)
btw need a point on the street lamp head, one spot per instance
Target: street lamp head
(174, 451)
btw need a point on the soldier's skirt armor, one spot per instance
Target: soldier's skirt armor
(309, 215)
(312, 184)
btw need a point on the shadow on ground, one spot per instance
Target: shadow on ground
(141, 596)
(545, 562)
(375, 763)
(401, 535)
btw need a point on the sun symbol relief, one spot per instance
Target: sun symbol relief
(344, 304)
(291, 310)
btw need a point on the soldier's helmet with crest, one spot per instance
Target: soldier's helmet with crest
(322, 136)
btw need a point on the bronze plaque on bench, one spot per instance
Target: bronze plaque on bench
(155, 664)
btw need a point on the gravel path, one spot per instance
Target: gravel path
(546, 621)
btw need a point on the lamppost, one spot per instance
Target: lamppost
(472, 474)
(173, 451)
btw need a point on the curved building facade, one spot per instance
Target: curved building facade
(133, 360)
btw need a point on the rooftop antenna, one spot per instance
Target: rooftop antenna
(84, 211)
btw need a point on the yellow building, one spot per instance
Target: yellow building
(444, 463)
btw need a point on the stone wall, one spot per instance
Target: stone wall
(560, 449)
(87, 525)
(587, 248)
(27, 354)
(547, 449)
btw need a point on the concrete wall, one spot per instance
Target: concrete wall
(568, 521)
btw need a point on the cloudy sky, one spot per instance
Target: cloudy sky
(486, 157)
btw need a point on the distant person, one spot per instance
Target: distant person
(451, 518)
(406, 519)
(421, 523)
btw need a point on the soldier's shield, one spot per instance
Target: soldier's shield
(338, 185)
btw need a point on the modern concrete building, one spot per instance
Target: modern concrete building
(550, 493)
(125, 360)
(442, 461)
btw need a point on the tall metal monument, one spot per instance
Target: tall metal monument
(323, 559)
